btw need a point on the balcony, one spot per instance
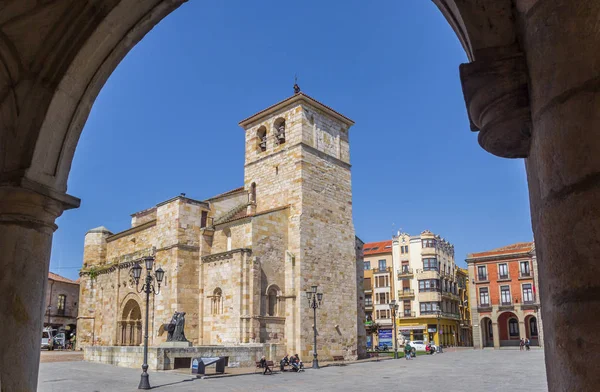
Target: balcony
(484, 307)
(406, 293)
(382, 270)
(503, 277)
(451, 315)
(408, 313)
(506, 305)
(450, 295)
(525, 275)
(405, 273)
(482, 278)
(368, 304)
(530, 305)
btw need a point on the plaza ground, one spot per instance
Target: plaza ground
(463, 370)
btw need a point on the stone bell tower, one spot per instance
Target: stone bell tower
(297, 158)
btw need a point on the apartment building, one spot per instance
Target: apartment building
(505, 306)
(427, 288)
(379, 291)
(465, 333)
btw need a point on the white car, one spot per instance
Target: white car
(419, 345)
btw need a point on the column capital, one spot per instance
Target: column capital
(33, 205)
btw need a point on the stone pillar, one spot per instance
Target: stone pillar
(26, 228)
(496, 332)
(563, 172)
(522, 330)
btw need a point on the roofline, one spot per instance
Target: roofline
(228, 193)
(245, 123)
(524, 253)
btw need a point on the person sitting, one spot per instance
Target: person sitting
(294, 364)
(299, 362)
(284, 362)
(264, 364)
(407, 351)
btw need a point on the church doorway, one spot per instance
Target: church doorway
(130, 325)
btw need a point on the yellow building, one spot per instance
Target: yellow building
(465, 334)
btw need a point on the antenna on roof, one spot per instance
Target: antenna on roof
(296, 87)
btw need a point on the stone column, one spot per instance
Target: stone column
(522, 330)
(26, 228)
(563, 171)
(496, 332)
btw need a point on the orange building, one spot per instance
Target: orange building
(505, 305)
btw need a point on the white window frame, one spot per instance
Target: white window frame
(509, 293)
(487, 277)
(507, 270)
(523, 292)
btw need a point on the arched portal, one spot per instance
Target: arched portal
(509, 329)
(531, 330)
(130, 325)
(487, 332)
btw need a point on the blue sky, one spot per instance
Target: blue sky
(166, 120)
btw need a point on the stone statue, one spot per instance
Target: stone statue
(175, 329)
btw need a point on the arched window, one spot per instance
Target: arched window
(272, 301)
(261, 136)
(279, 126)
(216, 304)
(513, 327)
(533, 326)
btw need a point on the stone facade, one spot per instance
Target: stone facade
(62, 299)
(238, 264)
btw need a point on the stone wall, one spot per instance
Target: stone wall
(163, 358)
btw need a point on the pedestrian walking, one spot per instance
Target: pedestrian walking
(527, 344)
(264, 364)
(521, 344)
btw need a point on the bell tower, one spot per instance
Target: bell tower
(297, 157)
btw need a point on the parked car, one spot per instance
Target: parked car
(419, 345)
(48, 338)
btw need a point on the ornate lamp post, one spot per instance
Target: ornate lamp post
(148, 288)
(394, 309)
(314, 301)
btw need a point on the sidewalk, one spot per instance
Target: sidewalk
(244, 371)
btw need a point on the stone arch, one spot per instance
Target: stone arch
(92, 45)
(532, 331)
(508, 329)
(487, 332)
(273, 294)
(279, 129)
(261, 138)
(216, 301)
(130, 323)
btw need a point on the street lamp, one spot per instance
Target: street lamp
(314, 301)
(148, 288)
(438, 316)
(394, 307)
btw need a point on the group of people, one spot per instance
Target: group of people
(524, 343)
(294, 362)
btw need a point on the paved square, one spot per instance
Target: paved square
(463, 370)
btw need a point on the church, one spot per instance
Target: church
(239, 264)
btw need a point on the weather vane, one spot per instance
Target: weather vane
(296, 87)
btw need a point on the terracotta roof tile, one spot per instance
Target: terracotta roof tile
(58, 278)
(518, 247)
(374, 248)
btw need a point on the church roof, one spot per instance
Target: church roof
(295, 98)
(58, 278)
(231, 192)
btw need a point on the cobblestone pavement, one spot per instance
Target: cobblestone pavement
(60, 356)
(468, 370)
